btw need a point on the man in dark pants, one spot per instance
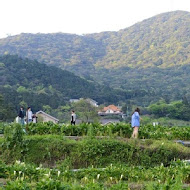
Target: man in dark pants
(21, 115)
(73, 118)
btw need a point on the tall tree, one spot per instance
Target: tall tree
(85, 111)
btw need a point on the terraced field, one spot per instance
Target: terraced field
(93, 156)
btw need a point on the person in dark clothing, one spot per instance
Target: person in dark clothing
(73, 118)
(21, 115)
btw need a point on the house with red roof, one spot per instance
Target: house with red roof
(110, 110)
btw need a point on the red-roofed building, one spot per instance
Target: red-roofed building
(110, 110)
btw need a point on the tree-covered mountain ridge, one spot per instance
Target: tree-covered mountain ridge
(150, 60)
(161, 41)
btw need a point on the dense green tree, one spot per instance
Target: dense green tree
(7, 111)
(23, 104)
(1, 107)
(47, 109)
(124, 108)
(85, 111)
(176, 110)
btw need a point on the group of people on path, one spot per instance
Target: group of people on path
(135, 119)
(25, 117)
(29, 116)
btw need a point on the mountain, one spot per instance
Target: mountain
(142, 58)
(161, 41)
(23, 81)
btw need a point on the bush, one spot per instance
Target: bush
(50, 149)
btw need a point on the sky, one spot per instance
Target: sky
(79, 16)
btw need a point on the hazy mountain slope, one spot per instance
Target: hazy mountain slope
(163, 40)
(62, 50)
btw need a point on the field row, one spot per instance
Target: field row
(28, 176)
(119, 129)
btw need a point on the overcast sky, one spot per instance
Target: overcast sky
(79, 16)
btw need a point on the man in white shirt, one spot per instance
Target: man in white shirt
(29, 115)
(73, 118)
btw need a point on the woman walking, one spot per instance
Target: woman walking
(135, 122)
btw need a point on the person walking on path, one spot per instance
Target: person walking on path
(29, 115)
(73, 118)
(21, 115)
(135, 122)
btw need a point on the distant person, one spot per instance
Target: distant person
(29, 115)
(21, 115)
(34, 118)
(135, 122)
(73, 118)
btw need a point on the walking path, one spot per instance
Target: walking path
(185, 143)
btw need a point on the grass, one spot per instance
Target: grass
(50, 150)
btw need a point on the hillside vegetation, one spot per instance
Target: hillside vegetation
(163, 41)
(150, 58)
(29, 83)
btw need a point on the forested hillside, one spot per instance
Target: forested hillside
(30, 83)
(150, 59)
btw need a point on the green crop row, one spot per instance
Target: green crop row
(119, 129)
(28, 176)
